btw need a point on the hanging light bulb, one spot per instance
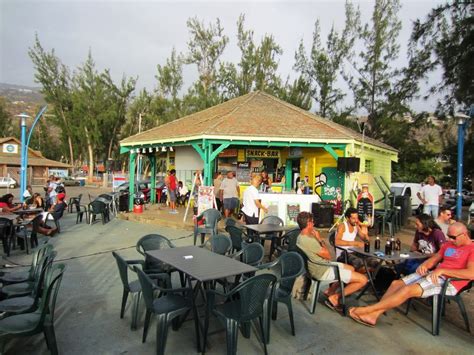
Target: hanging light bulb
(132, 151)
(163, 149)
(171, 149)
(150, 150)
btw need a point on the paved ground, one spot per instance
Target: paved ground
(88, 322)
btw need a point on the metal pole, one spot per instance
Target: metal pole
(23, 158)
(461, 126)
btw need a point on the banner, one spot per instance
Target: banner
(118, 180)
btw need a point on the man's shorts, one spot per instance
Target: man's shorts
(231, 203)
(357, 262)
(330, 275)
(428, 287)
(172, 195)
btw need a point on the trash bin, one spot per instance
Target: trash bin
(123, 202)
(82, 182)
(138, 203)
(404, 202)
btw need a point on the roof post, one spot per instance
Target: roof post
(131, 180)
(152, 159)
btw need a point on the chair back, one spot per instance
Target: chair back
(41, 281)
(211, 217)
(291, 237)
(252, 293)
(147, 288)
(97, 207)
(123, 270)
(273, 220)
(106, 197)
(220, 244)
(48, 300)
(332, 239)
(292, 266)
(236, 236)
(153, 242)
(252, 254)
(40, 252)
(230, 222)
(78, 198)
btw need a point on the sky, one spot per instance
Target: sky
(132, 37)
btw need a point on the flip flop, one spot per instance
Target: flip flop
(331, 306)
(360, 321)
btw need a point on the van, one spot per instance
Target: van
(407, 189)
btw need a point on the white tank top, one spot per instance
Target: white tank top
(347, 237)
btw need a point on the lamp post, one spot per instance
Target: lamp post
(25, 141)
(461, 120)
(362, 123)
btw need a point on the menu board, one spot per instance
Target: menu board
(292, 211)
(243, 172)
(205, 198)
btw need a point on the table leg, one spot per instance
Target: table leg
(371, 277)
(197, 323)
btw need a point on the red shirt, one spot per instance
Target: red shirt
(455, 257)
(4, 204)
(173, 184)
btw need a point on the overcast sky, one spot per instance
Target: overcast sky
(131, 37)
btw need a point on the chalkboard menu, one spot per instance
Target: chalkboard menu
(243, 172)
(292, 211)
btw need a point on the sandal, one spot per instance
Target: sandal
(333, 307)
(358, 320)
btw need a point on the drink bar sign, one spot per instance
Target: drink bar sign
(263, 153)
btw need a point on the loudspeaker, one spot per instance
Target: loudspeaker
(323, 214)
(348, 164)
(123, 202)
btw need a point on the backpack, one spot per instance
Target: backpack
(60, 189)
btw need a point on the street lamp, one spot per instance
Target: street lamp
(25, 142)
(362, 123)
(461, 120)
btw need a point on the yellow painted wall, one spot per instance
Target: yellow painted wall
(314, 160)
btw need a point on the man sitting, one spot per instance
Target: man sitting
(346, 235)
(183, 194)
(310, 242)
(455, 259)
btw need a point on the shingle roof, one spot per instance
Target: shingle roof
(257, 115)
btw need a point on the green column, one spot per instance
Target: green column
(131, 180)
(288, 177)
(207, 164)
(152, 159)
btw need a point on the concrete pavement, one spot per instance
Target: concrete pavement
(88, 322)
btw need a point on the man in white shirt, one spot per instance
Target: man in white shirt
(431, 197)
(252, 202)
(229, 192)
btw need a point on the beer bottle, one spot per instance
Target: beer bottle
(398, 245)
(388, 247)
(377, 243)
(367, 246)
(392, 244)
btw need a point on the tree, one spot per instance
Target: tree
(204, 50)
(374, 75)
(5, 119)
(324, 64)
(55, 80)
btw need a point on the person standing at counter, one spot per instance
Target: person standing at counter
(217, 187)
(252, 203)
(266, 181)
(230, 192)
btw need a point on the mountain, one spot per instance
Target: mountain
(21, 98)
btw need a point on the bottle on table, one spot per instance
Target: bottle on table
(377, 243)
(367, 246)
(388, 247)
(392, 244)
(398, 245)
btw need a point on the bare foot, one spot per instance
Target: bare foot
(362, 319)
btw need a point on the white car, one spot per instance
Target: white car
(407, 189)
(8, 182)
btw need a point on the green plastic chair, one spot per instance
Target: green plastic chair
(22, 276)
(288, 241)
(211, 218)
(29, 303)
(218, 243)
(272, 236)
(28, 287)
(25, 233)
(290, 266)
(170, 304)
(237, 235)
(40, 321)
(132, 287)
(242, 305)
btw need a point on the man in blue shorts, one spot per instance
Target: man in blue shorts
(230, 192)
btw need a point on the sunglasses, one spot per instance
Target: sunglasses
(454, 236)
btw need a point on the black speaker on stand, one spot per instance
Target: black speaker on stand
(350, 164)
(323, 214)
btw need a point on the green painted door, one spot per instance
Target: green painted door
(334, 184)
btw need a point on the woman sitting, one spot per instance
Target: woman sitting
(6, 204)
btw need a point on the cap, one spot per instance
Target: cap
(61, 196)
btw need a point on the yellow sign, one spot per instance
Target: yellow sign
(263, 153)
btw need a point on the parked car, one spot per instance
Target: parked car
(450, 197)
(69, 181)
(407, 189)
(8, 182)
